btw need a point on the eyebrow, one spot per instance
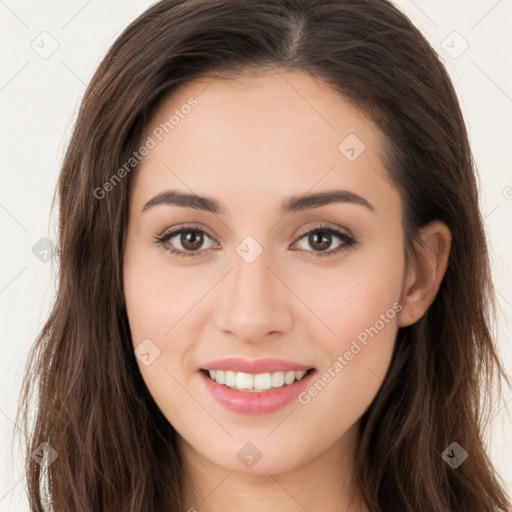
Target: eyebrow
(290, 205)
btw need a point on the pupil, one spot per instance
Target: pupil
(325, 236)
(193, 239)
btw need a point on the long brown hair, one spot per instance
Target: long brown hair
(116, 450)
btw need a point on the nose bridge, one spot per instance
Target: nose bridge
(252, 279)
(253, 303)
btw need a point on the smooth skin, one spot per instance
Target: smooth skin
(251, 143)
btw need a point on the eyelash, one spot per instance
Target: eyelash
(348, 241)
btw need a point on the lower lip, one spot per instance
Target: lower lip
(255, 403)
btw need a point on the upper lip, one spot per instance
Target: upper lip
(268, 365)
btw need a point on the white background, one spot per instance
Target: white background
(39, 99)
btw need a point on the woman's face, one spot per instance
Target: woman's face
(262, 276)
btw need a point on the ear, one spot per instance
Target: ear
(425, 273)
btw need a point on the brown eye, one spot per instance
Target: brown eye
(191, 240)
(187, 241)
(319, 240)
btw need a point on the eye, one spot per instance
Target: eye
(321, 237)
(191, 239)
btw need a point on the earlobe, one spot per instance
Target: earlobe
(426, 272)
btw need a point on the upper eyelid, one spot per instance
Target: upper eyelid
(171, 233)
(327, 226)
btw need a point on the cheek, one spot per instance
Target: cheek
(361, 292)
(361, 308)
(158, 304)
(154, 306)
(354, 366)
(367, 299)
(156, 294)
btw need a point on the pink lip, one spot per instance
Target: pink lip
(237, 364)
(255, 403)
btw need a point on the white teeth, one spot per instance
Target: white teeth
(289, 377)
(262, 381)
(255, 383)
(277, 379)
(244, 381)
(230, 379)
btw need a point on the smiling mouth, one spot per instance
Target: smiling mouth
(256, 383)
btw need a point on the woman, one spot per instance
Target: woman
(274, 283)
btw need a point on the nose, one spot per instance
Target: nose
(254, 302)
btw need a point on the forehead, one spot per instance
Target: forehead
(254, 136)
